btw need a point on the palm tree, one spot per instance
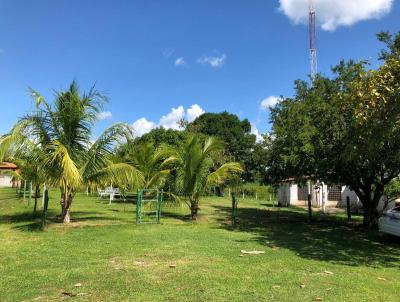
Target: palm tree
(26, 155)
(61, 135)
(147, 161)
(196, 169)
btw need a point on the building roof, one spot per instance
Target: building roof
(8, 166)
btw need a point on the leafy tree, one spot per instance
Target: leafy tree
(61, 136)
(234, 132)
(343, 129)
(257, 165)
(160, 136)
(196, 169)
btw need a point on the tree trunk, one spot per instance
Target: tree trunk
(194, 209)
(36, 197)
(370, 201)
(65, 216)
(370, 219)
(65, 207)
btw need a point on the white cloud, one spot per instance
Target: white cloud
(171, 120)
(142, 126)
(180, 62)
(213, 61)
(270, 101)
(194, 112)
(257, 133)
(332, 14)
(105, 115)
(168, 121)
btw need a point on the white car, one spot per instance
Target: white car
(389, 223)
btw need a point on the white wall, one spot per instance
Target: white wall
(5, 181)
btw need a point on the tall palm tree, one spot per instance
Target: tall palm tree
(196, 169)
(61, 133)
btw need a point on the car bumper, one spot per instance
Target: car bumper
(389, 225)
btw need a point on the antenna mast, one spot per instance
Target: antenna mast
(313, 40)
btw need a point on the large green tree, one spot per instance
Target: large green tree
(343, 129)
(234, 132)
(160, 136)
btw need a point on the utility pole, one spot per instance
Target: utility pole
(313, 40)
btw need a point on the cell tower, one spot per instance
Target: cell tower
(313, 39)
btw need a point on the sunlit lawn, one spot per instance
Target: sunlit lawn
(113, 259)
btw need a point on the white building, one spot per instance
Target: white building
(322, 195)
(7, 180)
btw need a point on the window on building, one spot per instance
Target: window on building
(334, 193)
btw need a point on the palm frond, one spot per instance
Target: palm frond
(219, 176)
(60, 159)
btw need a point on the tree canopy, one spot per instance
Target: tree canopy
(344, 129)
(234, 132)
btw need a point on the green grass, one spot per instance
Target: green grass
(116, 260)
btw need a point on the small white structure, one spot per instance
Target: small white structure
(322, 195)
(7, 180)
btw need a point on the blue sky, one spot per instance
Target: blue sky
(152, 56)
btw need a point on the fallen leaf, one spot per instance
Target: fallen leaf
(172, 265)
(318, 299)
(78, 285)
(328, 273)
(302, 285)
(382, 279)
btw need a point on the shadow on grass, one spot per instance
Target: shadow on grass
(27, 221)
(327, 238)
(30, 222)
(176, 215)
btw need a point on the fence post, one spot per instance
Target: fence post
(323, 198)
(45, 207)
(44, 189)
(234, 208)
(160, 202)
(309, 208)
(138, 205)
(30, 193)
(348, 208)
(24, 190)
(309, 201)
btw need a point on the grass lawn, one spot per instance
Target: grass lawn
(113, 259)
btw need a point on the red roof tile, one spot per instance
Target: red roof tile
(8, 166)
